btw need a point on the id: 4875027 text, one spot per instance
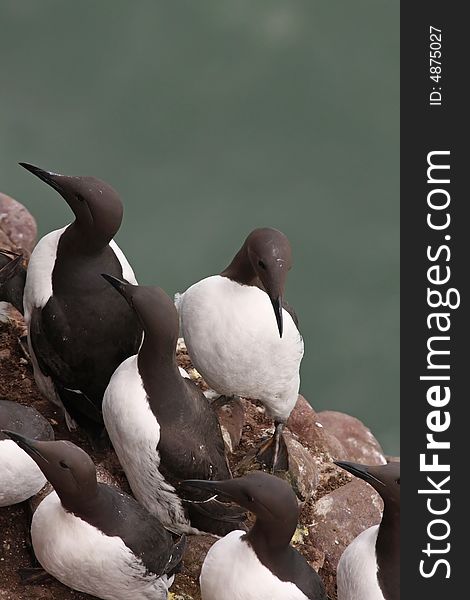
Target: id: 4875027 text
(435, 65)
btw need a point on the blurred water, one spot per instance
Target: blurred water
(212, 118)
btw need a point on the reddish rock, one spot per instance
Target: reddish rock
(304, 422)
(303, 472)
(17, 226)
(357, 440)
(339, 517)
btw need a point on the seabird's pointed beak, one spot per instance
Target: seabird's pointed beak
(358, 470)
(277, 306)
(31, 447)
(225, 490)
(52, 179)
(10, 268)
(118, 284)
(200, 484)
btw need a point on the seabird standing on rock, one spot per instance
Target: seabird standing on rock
(243, 338)
(260, 564)
(94, 538)
(369, 568)
(79, 330)
(20, 477)
(161, 425)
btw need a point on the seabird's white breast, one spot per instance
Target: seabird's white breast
(20, 477)
(232, 571)
(38, 286)
(85, 559)
(357, 569)
(135, 434)
(232, 337)
(127, 272)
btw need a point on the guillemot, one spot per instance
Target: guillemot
(12, 278)
(161, 425)
(93, 537)
(369, 568)
(229, 327)
(260, 564)
(79, 331)
(20, 477)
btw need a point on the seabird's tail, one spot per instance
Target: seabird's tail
(173, 565)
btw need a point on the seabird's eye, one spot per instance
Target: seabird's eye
(261, 264)
(63, 465)
(397, 481)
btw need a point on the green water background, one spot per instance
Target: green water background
(212, 118)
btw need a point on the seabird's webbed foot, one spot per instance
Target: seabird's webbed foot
(23, 345)
(220, 401)
(273, 453)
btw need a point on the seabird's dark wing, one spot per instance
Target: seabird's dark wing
(192, 447)
(293, 567)
(192, 443)
(44, 324)
(290, 309)
(121, 515)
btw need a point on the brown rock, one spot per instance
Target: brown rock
(304, 422)
(17, 226)
(357, 440)
(339, 517)
(303, 473)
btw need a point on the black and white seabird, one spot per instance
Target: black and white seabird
(369, 568)
(161, 425)
(20, 477)
(79, 330)
(94, 538)
(260, 564)
(239, 344)
(12, 279)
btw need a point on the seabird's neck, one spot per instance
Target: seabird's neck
(241, 270)
(83, 240)
(157, 365)
(84, 506)
(267, 537)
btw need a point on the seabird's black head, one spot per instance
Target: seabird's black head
(155, 309)
(67, 467)
(385, 479)
(271, 499)
(265, 256)
(97, 207)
